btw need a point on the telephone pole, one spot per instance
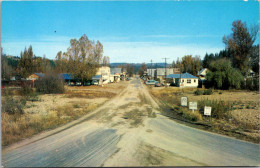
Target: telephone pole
(151, 69)
(165, 67)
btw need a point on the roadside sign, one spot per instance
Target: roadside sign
(193, 105)
(207, 110)
(184, 101)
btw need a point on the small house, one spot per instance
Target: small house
(35, 76)
(183, 80)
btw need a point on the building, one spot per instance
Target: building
(151, 73)
(115, 74)
(176, 70)
(183, 80)
(202, 74)
(97, 80)
(35, 76)
(160, 73)
(104, 71)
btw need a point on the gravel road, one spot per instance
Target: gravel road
(107, 138)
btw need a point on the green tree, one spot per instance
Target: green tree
(129, 69)
(25, 64)
(240, 44)
(222, 75)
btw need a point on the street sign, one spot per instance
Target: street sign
(193, 105)
(207, 110)
(184, 101)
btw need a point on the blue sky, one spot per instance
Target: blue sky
(130, 31)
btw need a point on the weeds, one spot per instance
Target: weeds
(220, 109)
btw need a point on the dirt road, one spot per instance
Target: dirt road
(129, 131)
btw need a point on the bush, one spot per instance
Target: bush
(12, 106)
(219, 108)
(50, 83)
(192, 116)
(26, 88)
(208, 92)
(252, 84)
(198, 92)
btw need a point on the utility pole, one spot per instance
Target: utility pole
(165, 67)
(151, 69)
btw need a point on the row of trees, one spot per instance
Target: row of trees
(230, 67)
(82, 59)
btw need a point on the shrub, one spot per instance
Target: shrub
(219, 108)
(26, 88)
(192, 116)
(198, 92)
(208, 92)
(12, 106)
(219, 92)
(50, 83)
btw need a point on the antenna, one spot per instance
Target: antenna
(165, 67)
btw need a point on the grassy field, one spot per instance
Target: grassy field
(236, 112)
(47, 111)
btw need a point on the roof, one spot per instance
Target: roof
(161, 71)
(115, 70)
(183, 76)
(66, 76)
(203, 72)
(170, 76)
(97, 77)
(39, 74)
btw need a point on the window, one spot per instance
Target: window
(182, 80)
(194, 80)
(188, 80)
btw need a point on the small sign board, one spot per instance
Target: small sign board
(184, 101)
(207, 110)
(193, 105)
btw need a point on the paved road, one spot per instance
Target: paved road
(107, 139)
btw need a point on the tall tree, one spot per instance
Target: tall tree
(82, 58)
(240, 44)
(106, 61)
(129, 69)
(142, 69)
(25, 64)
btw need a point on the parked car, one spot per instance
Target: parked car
(158, 84)
(78, 83)
(151, 82)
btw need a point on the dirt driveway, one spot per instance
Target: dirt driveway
(129, 131)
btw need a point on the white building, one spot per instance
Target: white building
(184, 80)
(104, 71)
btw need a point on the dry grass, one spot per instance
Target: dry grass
(89, 94)
(52, 110)
(17, 127)
(243, 106)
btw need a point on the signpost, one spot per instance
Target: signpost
(207, 111)
(193, 106)
(184, 101)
